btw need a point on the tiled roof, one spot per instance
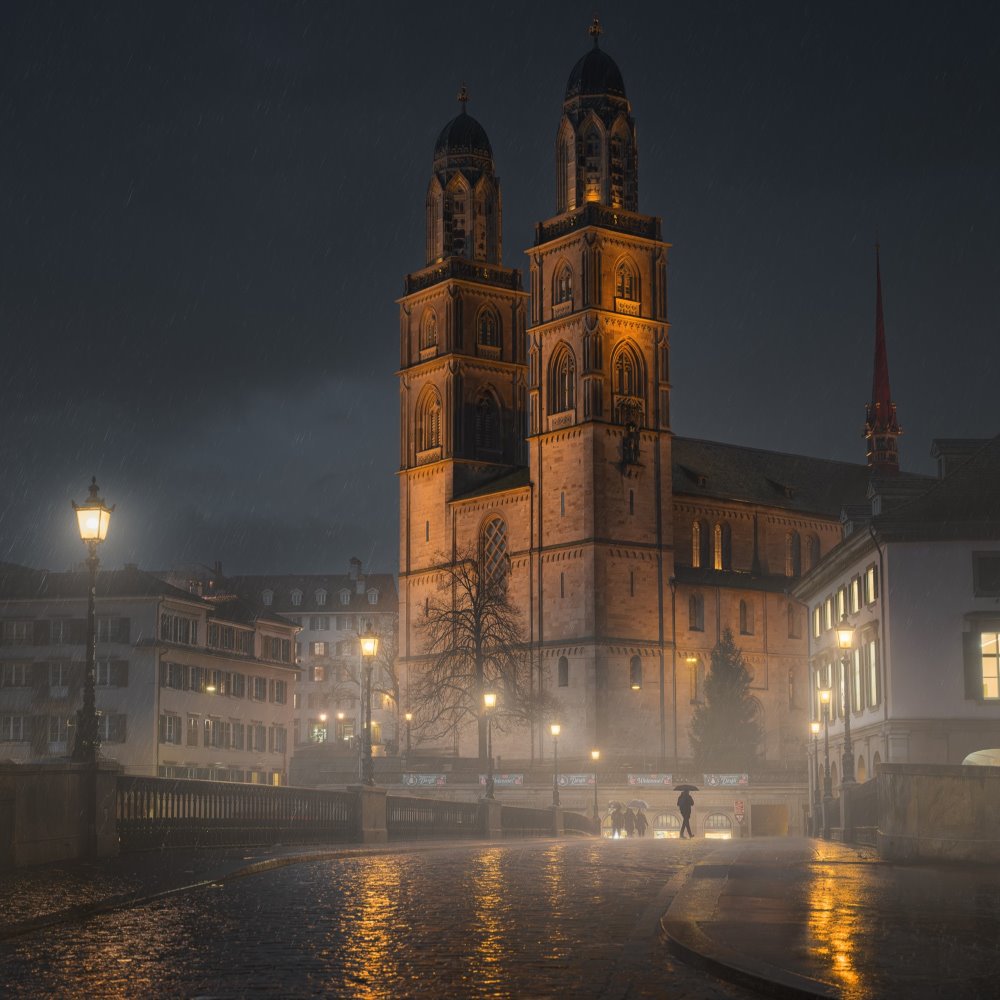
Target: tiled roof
(21, 583)
(719, 471)
(508, 481)
(251, 588)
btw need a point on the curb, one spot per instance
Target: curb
(682, 931)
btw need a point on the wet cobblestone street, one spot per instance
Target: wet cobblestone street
(551, 919)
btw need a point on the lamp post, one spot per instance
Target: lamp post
(824, 700)
(595, 756)
(340, 725)
(409, 720)
(845, 641)
(369, 649)
(555, 729)
(93, 518)
(489, 704)
(814, 728)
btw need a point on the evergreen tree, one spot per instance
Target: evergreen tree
(725, 730)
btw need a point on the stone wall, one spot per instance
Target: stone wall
(44, 815)
(939, 812)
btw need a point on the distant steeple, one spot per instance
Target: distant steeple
(882, 430)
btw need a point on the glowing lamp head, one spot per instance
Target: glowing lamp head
(814, 728)
(322, 716)
(555, 729)
(595, 755)
(845, 634)
(94, 516)
(340, 716)
(408, 716)
(369, 643)
(824, 696)
(490, 699)
(690, 659)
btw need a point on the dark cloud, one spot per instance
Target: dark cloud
(208, 209)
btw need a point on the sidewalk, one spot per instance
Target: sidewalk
(45, 895)
(798, 917)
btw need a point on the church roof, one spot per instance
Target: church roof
(508, 481)
(595, 74)
(463, 135)
(719, 471)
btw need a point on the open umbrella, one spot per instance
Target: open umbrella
(638, 804)
(686, 788)
(615, 804)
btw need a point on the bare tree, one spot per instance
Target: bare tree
(385, 675)
(474, 641)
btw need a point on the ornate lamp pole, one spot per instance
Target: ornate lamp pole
(824, 700)
(845, 641)
(555, 729)
(814, 728)
(489, 704)
(595, 756)
(93, 518)
(369, 650)
(409, 720)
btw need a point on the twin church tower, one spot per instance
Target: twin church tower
(535, 432)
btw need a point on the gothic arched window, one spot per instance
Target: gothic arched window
(746, 618)
(493, 551)
(793, 554)
(696, 613)
(635, 673)
(722, 548)
(699, 544)
(428, 329)
(626, 281)
(627, 386)
(487, 423)
(813, 550)
(563, 671)
(562, 381)
(429, 420)
(562, 291)
(592, 164)
(489, 328)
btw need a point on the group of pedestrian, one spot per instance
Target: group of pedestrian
(628, 822)
(633, 823)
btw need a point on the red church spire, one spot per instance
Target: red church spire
(881, 427)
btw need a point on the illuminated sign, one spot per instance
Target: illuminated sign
(727, 780)
(646, 780)
(416, 780)
(503, 780)
(576, 780)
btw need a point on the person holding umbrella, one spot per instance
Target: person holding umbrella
(686, 803)
(641, 823)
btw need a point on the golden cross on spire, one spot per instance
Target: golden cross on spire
(595, 29)
(463, 97)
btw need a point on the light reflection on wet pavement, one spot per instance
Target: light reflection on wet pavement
(534, 920)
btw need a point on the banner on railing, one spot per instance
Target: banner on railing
(423, 780)
(503, 780)
(726, 780)
(647, 780)
(576, 780)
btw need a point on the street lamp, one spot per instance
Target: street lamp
(555, 729)
(824, 700)
(595, 756)
(409, 720)
(814, 728)
(93, 518)
(369, 649)
(845, 641)
(322, 718)
(489, 704)
(340, 725)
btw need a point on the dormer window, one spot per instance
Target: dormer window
(320, 597)
(296, 597)
(345, 596)
(267, 598)
(373, 596)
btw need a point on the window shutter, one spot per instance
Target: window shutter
(163, 729)
(163, 674)
(119, 673)
(41, 636)
(972, 655)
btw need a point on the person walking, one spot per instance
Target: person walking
(685, 803)
(629, 823)
(641, 823)
(617, 819)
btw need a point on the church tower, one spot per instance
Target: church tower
(599, 424)
(882, 429)
(462, 375)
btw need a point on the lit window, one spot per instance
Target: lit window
(817, 622)
(855, 593)
(991, 664)
(871, 585)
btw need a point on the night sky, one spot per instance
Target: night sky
(207, 211)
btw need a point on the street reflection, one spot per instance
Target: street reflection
(835, 929)
(371, 927)
(490, 920)
(554, 881)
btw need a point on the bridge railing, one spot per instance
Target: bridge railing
(525, 821)
(177, 812)
(412, 818)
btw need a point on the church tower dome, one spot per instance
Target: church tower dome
(463, 198)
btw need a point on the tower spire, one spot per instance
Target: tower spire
(595, 30)
(463, 97)
(882, 429)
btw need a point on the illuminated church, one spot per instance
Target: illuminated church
(535, 430)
